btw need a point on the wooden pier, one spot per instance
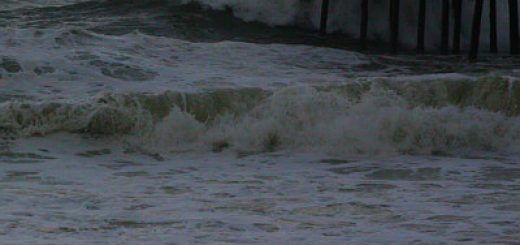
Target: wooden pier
(450, 9)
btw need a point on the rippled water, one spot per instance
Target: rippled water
(94, 193)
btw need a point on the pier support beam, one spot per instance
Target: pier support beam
(457, 25)
(324, 16)
(513, 27)
(363, 30)
(421, 26)
(493, 32)
(475, 32)
(394, 24)
(445, 38)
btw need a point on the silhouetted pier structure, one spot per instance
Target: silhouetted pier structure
(447, 14)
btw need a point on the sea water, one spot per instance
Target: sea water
(232, 122)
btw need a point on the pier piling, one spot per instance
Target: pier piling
(513, 27)
(493, 32)
(475, 32)
(363, 30)
(324, 16)
(421, 26)
(457, 25)
(394, 24)
(450, 9)
(445, 39)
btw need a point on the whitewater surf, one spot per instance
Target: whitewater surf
(233, 122)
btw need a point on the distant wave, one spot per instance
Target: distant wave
(15, 4)
(344, 15)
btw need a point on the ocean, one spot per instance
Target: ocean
(234, 122)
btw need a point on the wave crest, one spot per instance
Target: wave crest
(382, 117)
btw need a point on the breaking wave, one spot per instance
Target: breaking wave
(345, 17)
(384, 117)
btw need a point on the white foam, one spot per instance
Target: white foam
(272, 12)
(304, 119)
(80, 193)
(299, 118)
(137, 62)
